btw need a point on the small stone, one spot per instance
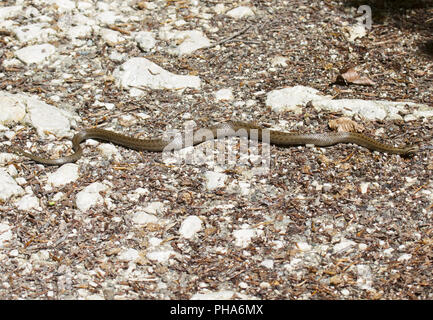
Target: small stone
(89, 196)
(268, 263)
(65, 174)
(240, 12)
(215, 180)
(190, 226)
(129, 255)
(243, 237)
(35, 54)
(145, 40)
(143, 218)
(224, 94)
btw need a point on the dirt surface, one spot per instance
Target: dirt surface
(318, 234)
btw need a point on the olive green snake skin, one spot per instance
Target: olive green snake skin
(230, 128)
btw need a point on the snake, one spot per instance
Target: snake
(228, 129)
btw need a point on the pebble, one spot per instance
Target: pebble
(89, 196)
(240, 12)
(243, 237)
(140, 72)
(268, 263)
(160, 256)
(129, 255)
(217, 295)
(343, 246)
(215, 180)
(143, 218)
(27, 203)
(190, 226)
(190, 41)
(12, 108)
(224, 94)
(65, 174)
(8, 186)
(145, 40)
(35, 54)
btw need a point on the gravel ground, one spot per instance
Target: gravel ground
(323, 223)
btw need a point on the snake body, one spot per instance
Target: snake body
(231, 128)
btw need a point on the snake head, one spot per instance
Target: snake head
(410, 151)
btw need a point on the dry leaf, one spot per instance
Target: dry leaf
(352, 76)
(345, 124)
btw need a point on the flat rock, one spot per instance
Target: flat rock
(35, 54)
(140, 72)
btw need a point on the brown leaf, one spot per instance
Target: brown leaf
(345, 124)
(352, 76)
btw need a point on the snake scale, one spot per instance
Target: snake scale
(278, 138)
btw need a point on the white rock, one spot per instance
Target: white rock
(12, 63)
(423, 111)
(268, 263)
(10, 12)
(12, 109)
(36, 31)
(47, 118)
(240, 12)
(40, 256)
(65, 174)
(388, 252)
(63, 5)
(140, 72)
(160, 256)
(80, 31)
(5, 234)
(143, 218)
(8, 186)
(245, 188)
(111, 37)
(129, 255)
(343, 245)
(35, 54)
(291, 98)
(109, 151)
(7, 158)
(215, 180)
(107, 17)
(190, 226)
(145, 40)
(224, 94)
(219, 8)
(191, 41)
(279, 61)
(89, 196)
(137, 193)
(356, 31)
(364, 187)
(28, 202)
(405, 257)
(303, 246)
(83, 5)
(218, 295)
(155, 207)
(243, 237)
(365, 279)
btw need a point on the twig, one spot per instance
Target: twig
(229, 38)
